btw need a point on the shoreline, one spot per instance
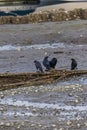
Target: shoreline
(57, 106)
(23, 38)
(52, 13)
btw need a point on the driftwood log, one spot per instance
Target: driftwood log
(14, 80)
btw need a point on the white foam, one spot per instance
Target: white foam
(20, 103)
(39, 46)
(19, 114)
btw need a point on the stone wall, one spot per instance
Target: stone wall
(45, 16)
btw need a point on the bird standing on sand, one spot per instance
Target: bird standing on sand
(73, 64)
(53, 63)
(46, 63)
(38, 66)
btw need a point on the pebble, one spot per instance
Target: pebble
(45, 127)
(67, 87)
(67, 19)
(81, 35)
(46, 53)
(8, 124)
(76, 101)
(32, 125)
(59, 32)
(85, 124)
(70, 94)
(2, 96)
(55, 129)
(39, 125)
(19, 49)
(12, 94)
(34, 110)
(18, 127)
(26, 92)
(69, 122)
(78, 125)
(61, 129)
(36, 91)
(1, 123)
(53, 125)
(27, 108)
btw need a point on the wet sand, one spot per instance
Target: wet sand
(50, 107)
(60, 106)
(20, 45)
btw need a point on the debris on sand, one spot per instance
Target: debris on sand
(9, 81)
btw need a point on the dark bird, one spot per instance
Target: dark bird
(73, 64)
(38, 66)
(53, 63)
(46, 63)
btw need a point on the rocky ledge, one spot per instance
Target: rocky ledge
(46, 16)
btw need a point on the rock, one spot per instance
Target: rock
(69, 122)
(1, 123)
(61, 129)
(76, 101)
(8, 124)
(70, 94)
(85, 124)
(78, 125)
(44, 16)
(53, 125)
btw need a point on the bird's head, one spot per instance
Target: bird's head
(46, 57)
(34, 61)
(72, 59)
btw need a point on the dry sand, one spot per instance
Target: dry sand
(66, 6)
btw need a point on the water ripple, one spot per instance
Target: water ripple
(20, 103)
(39, 46)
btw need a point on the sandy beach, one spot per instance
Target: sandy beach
(22, 44)
(58, 106)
